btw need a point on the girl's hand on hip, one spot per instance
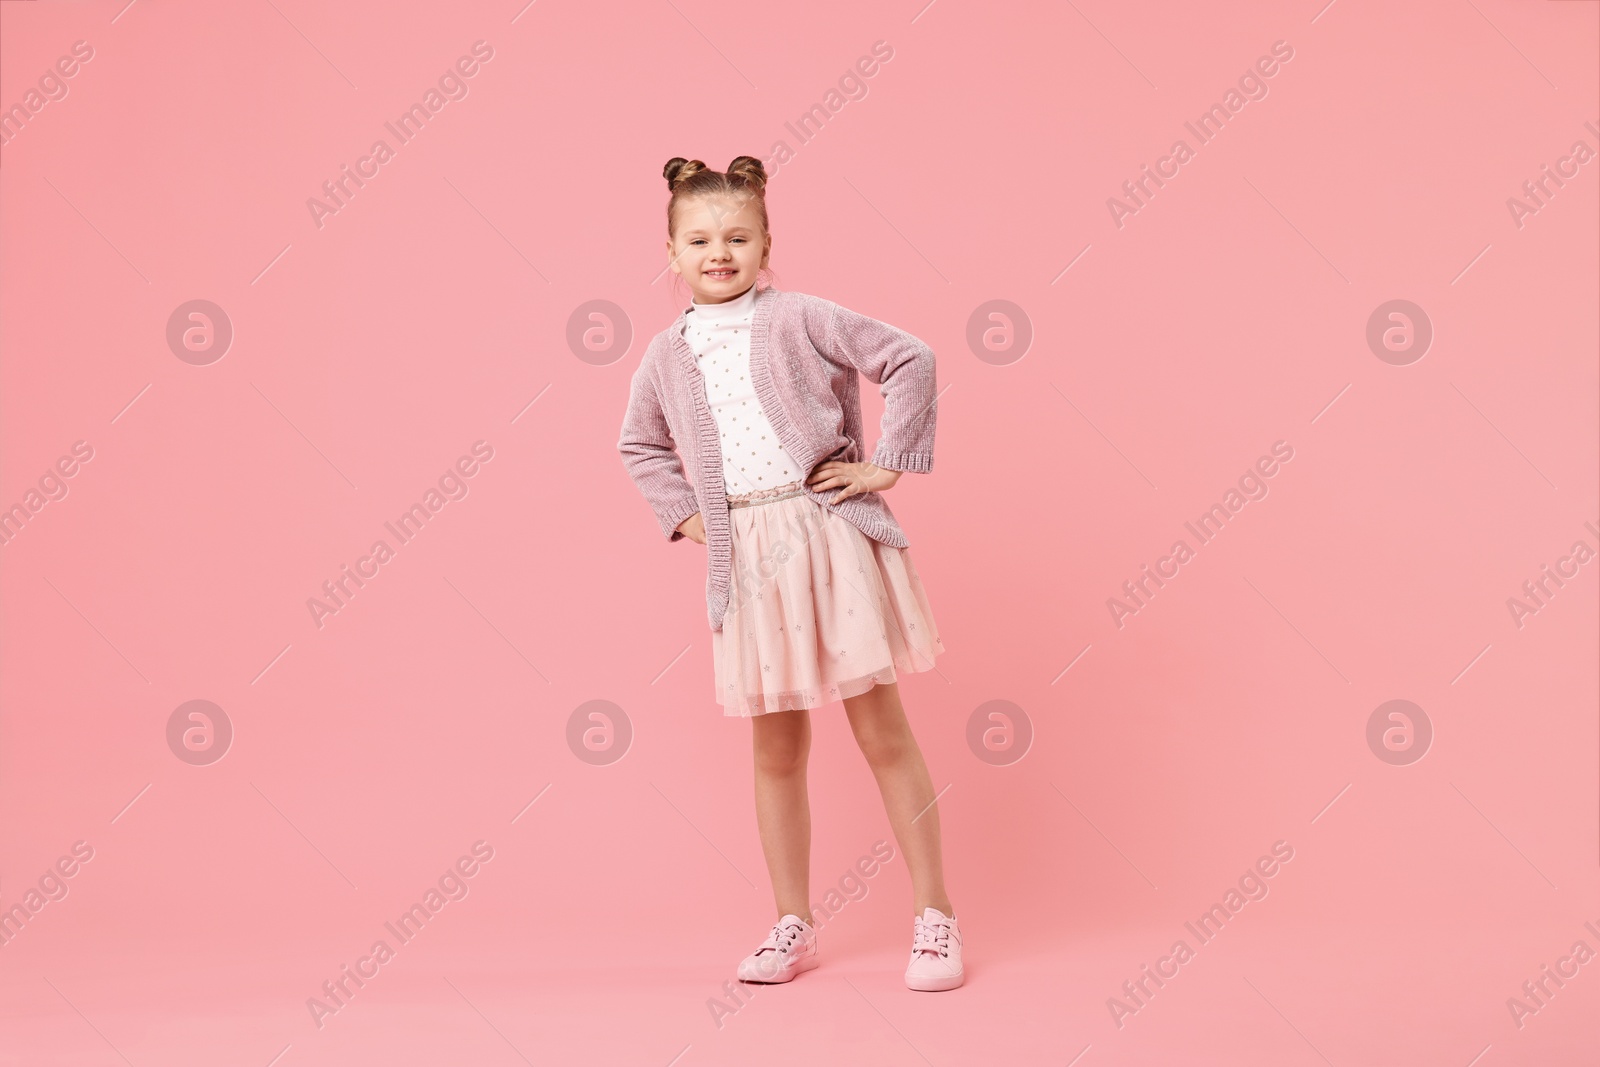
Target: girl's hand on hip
(694, 528)
(855, 478)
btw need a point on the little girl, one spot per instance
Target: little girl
(811, 592)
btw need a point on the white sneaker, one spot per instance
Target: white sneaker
(789, 949)
(935, 952)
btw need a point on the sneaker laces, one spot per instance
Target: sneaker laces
(931, 937)
(780, 938)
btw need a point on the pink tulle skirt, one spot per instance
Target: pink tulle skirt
(817, 610)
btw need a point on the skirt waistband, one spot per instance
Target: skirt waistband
(766, 496)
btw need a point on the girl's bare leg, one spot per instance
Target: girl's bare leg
(885, 739)
(782, 742)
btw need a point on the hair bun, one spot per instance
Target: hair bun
(751, 169)
(679, 169)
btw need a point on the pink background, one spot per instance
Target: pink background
(432, 312)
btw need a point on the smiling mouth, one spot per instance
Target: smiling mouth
(719, 274)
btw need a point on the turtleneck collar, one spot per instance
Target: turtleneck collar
(739, 307)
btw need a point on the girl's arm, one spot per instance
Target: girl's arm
(650, 458)
(901, 365)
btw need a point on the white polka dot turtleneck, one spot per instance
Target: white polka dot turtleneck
(719, 335)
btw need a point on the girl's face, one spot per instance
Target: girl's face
(719, 246)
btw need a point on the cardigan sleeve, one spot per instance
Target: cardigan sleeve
(902, 366)
(651, 459)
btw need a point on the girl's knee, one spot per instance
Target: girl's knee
(885, 742)
(782, 745)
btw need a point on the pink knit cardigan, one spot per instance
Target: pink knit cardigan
(804, 355)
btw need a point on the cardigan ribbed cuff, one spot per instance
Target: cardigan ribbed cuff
(915, 462)
(673, 516)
